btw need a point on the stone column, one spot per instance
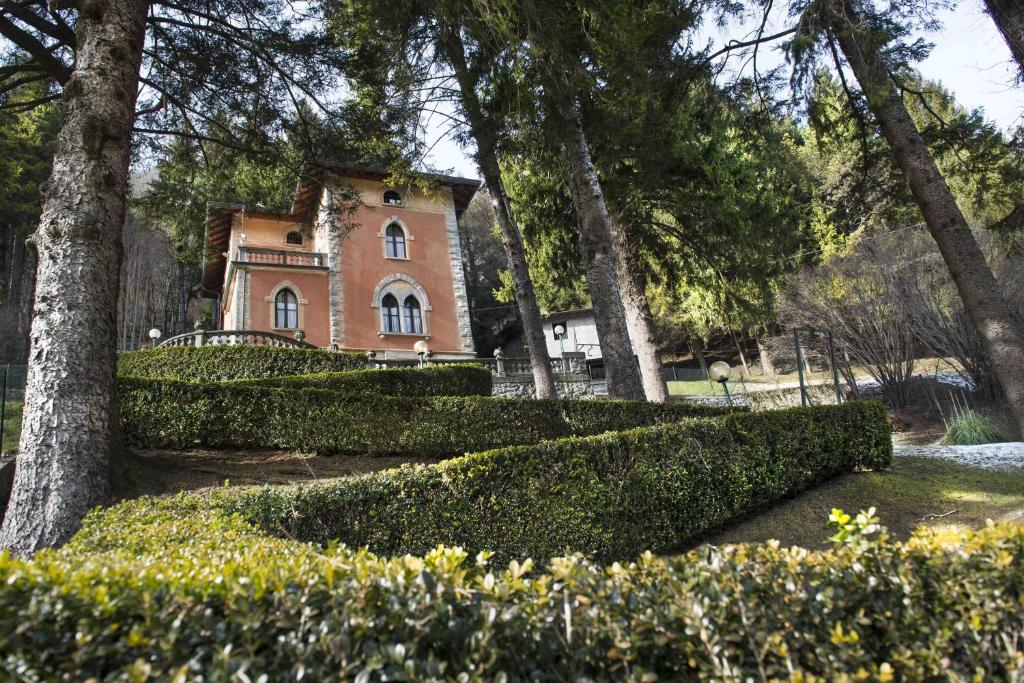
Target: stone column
(458, 274)
(328, 238)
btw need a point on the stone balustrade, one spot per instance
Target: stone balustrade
(233, 338)
(279, 257)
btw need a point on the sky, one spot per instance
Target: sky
(969, 58)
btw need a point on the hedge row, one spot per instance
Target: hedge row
(611, 496)
(445, 380)
(212, 363)
(176, 414)
(175, 590)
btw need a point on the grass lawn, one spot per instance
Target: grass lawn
(742, 385)
(903, 495)
(12, 426)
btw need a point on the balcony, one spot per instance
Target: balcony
(280, 257)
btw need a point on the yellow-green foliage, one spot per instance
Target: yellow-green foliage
(156, 590)
(212, 363)
(176, 414)
(187, 588)
(447, 380)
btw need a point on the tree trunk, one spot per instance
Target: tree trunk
(1009, 18)
(742, 354)
(764, 356)
(983, 299)
(182, 299)
(598, 255)
(511, 238)
(70, 416)
(638, 318)
(697, 346)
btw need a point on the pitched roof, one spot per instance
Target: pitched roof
(305, 200)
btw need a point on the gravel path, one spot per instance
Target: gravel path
(993, 456)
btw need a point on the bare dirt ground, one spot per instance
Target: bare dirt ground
(160, 472)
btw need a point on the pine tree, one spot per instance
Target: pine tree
(250, 57)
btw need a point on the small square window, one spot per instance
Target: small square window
(392, 198)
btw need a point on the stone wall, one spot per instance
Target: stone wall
(523, 387)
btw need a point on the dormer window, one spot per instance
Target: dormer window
(294, 237)
(392, 198)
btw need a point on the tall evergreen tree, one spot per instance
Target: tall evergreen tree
(439, 46)
(569, 48)
(872, 41)
(120, 67)
(1009, 18)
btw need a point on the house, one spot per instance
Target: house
(572, 332)
(567, 333)
(376, 274)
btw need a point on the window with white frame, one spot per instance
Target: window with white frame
(389, 319)
(286, 310)
(413, 315)
(394, 240)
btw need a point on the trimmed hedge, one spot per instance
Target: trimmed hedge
(212, 363)
(611, 496)
(177, 590)
(174, 414)
(445, 380)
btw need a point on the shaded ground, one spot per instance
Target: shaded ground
(158, 472)
(915, 491)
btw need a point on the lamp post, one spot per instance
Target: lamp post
(154, 334)
(560, 336)
(422, 350)
(720, 372)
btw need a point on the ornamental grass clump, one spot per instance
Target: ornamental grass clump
(968, 427)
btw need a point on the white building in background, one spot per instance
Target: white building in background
(572, 332)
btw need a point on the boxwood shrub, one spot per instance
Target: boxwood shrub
(175, 414)
(212, 363)
(611, 496)
(175, 589)
(445, 380)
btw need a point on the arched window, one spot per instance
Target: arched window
(392, 198)
(389, 314)
(394, 238)
(294, 237)
(413, 317)
(286, 310)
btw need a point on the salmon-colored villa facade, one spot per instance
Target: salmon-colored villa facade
(377, 277)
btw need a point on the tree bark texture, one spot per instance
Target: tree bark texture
(639, 320)
(1009, 18)
(983, 299)
(598, 253)
(742, 354)
(511, 238)
(70, 414)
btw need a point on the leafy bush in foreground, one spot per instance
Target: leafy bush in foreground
(445, 380)
(213, 363)
(612, 496)
(177, 590)
(175, 414)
